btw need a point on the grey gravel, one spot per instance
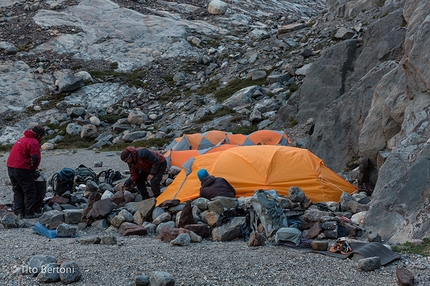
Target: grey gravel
(205, 263)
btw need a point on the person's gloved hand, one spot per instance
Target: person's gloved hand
(36, 174)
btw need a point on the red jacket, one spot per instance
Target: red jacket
(25, 154)
(145, 160)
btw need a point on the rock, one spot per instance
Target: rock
(182, 239)
(344, 33)
(128, 228)
(256, 239)
(50, 273)
(9, 220)
(141, 280)
(374, 237)
(161, 226)
(229, 230)
(201, 229)
(69, 272)
(370, 263)
(90, 240)
(160, 278)
(68, 83)
(37, 261)
(72, 216)
(88, 131)
(315, 230)
(51, 216)
(404, 277)
(145, 207)
(296, 194)
(110, 240)
(216, 206)
(117, 220)
(217, 7)
(169, 234)
(66, 230)
(101, 209)
(319, 245)
(164, 217)
(211, 218)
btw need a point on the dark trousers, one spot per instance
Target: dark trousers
(24, 191)
(155, 182)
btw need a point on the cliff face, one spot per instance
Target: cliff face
(403, 187)
(361, 68)
(378, 108)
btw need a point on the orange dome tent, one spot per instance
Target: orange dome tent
(190, 145)
(250, 168)
(267, 137)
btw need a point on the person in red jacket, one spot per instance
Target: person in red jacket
(22, 163)
(212, 187)
(144, 164)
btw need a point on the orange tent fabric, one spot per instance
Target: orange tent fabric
(179, 157)
(183, 148)
(198, 141)
(267, 137)
(249, 168)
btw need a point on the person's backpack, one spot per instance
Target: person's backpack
(83, 174)
(109, 176)
(62, 181)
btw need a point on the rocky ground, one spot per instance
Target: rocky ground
(205, 263)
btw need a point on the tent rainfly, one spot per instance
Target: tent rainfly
(250, 168)
(191, 145)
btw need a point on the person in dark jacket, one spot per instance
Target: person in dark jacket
(214, 186)
(144, 164)
(22, 164)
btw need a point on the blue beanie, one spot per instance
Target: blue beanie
(202, 173)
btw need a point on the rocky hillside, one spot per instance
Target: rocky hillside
(345, 79)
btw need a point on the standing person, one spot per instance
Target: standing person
(144, 164)
(22, 164)
(214, 186)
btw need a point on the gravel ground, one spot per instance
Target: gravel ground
(206, 263)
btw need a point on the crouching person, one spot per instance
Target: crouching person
(144, 164)
(214, 186)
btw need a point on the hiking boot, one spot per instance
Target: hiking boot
(34, 215)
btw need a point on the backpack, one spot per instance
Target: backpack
(62, 181)
(83, 174)
(109, 176)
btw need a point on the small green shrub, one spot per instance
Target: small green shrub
(353, 163)
(293, 122)
(134, 78)
(220, 112)
(73, 142)
(6, 148)
(209, 88)
(293, 87)
(113, 66)
(244, 129)
(110, 118)
(236, 85)
(422, 248)
(168, 79)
